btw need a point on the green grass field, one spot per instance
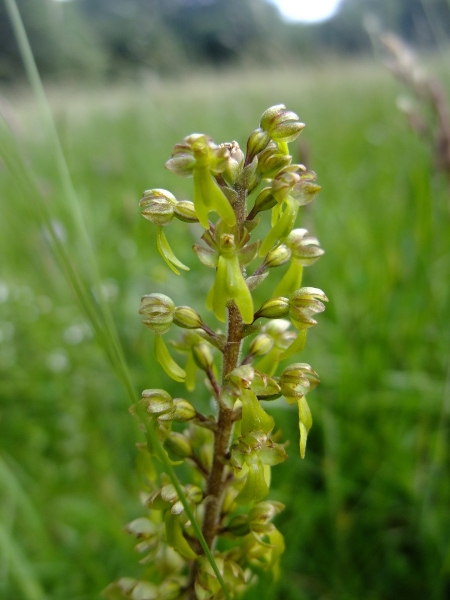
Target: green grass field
(368, 509)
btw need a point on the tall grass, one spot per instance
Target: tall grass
(367, 511)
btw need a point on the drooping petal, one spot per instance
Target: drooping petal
(166, 361)
(305, 422)
(167, 253)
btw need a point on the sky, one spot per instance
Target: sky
(308, 11)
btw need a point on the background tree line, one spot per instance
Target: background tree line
(109, 37)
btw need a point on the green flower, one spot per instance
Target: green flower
(229, 284)
(256, 452)
(200, 158)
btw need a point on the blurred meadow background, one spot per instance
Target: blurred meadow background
(368, 510)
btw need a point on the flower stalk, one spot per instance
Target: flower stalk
(231, 453)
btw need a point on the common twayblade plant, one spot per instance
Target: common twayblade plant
(231, 453)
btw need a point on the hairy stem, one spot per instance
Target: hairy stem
(218, 478)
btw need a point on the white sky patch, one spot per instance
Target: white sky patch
(308, 11)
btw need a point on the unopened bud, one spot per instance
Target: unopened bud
(185, 211)
(304, 303)
(159, 310)
(193, 493)
(274, 308)
(305, 191)
(178, 444)
(257, 141)
(260, 515)
(235, 162)
(277, 257)
(286, 179)
(281, 124)
(187, 317)
(261, 345)
(271, 161)
(239, 525)
(157, 401)
(169, 590)
(305, 249)
(293, 381)
(203, 356)
(265, 200)
(158, 206)
(184, 411)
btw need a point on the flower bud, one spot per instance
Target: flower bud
(265, 200)
(235, 162)
(203, 356)
(257, 141)
(184, 411)
(187, 317)
(293, 381)
(282, 125)
(303, 304)
(261, 514)
(193, 493)
(179, 445)
(274, 308)
(286, 179)
(181, 162)
(185, 211)
(157, 401)
(277, 257)
(169, 590)
(305, 191)
(271, 161)
(159, 310)
(261, 345)
(158, 206)
(239, 525)
(305, 249)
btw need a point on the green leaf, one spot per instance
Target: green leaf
(305, 422)
(175, 537)
(166, 361)
(167, 253)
